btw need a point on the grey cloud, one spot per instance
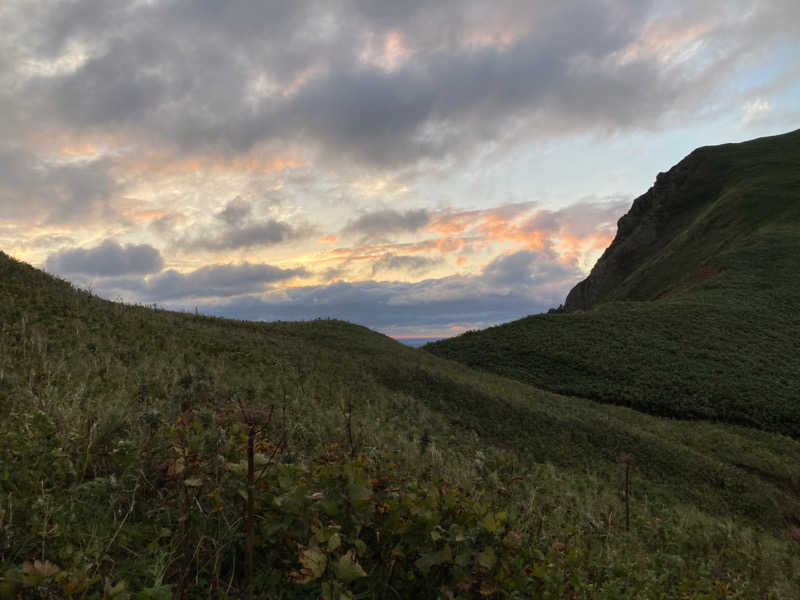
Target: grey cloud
(557, 76)
(214, 281)
(527, 268)
(217, 281)
(236, 211)
(387, 221)
(108, 259)
(389, 305)
(580, 219)
(237, 228)
(38, 191)
(251, 235)
(510, 288)
(408, 264)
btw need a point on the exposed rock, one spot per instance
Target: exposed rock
(640, 232)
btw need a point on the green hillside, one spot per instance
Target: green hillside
(379, 470)
(693, 312)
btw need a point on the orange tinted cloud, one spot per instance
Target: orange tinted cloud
(155, 165)
(329, 239)
(500, 224)
(571, 248)
(79, 150)
(575, 235)
(666, 41)
(498, 36)
(72, 144)
(443, 245)
(387, 51)
(452, 223)
(144, 215)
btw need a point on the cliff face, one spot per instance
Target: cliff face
(653, 220)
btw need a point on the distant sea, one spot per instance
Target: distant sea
(417, 342)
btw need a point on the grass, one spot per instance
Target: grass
(122, 465)
(693, 313)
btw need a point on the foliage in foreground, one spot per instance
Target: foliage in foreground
(333, 525)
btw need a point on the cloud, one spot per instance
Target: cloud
(536, 270)
(217, 281)
(387, 221)
(573, 235)
(303, 101)
(236, 211)
(508, 288)
(439, 86)
(213, 281)
(36, 190)
(414, 265)
(266, 233)
(569, 231)
(237, 228)
(354, 87)
(755, 110)
(106, 260)
(580, 219)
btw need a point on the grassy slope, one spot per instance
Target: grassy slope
(103, 372)
(704, 325)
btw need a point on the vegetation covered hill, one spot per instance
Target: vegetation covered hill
(152, 454)
(693, 312)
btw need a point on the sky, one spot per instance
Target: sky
(421, 168)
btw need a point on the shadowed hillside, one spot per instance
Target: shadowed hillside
(694, 309)
(125, 434)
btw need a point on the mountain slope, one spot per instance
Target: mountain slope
(113, 418)
(717, 205)
(694, 309)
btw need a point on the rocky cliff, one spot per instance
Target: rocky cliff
(652, 222)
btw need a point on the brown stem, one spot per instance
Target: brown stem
(627, 496)
(250, 510)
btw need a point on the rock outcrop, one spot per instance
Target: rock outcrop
(649, 225)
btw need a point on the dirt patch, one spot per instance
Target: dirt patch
(793, 531)
(704, 274)
(786, 484)
(696, 278)
(783, 483)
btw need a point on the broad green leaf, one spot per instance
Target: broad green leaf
(361, 547)
(490, 522)
(486, 559)
(159, 592)
(238, 468)
(314, 562)
(445, 555)
(334, 542)
(358, 493)
(457, 533)
(462, 559)
(348, 569)
(539, 571)
(426, 561)
(193, 482)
